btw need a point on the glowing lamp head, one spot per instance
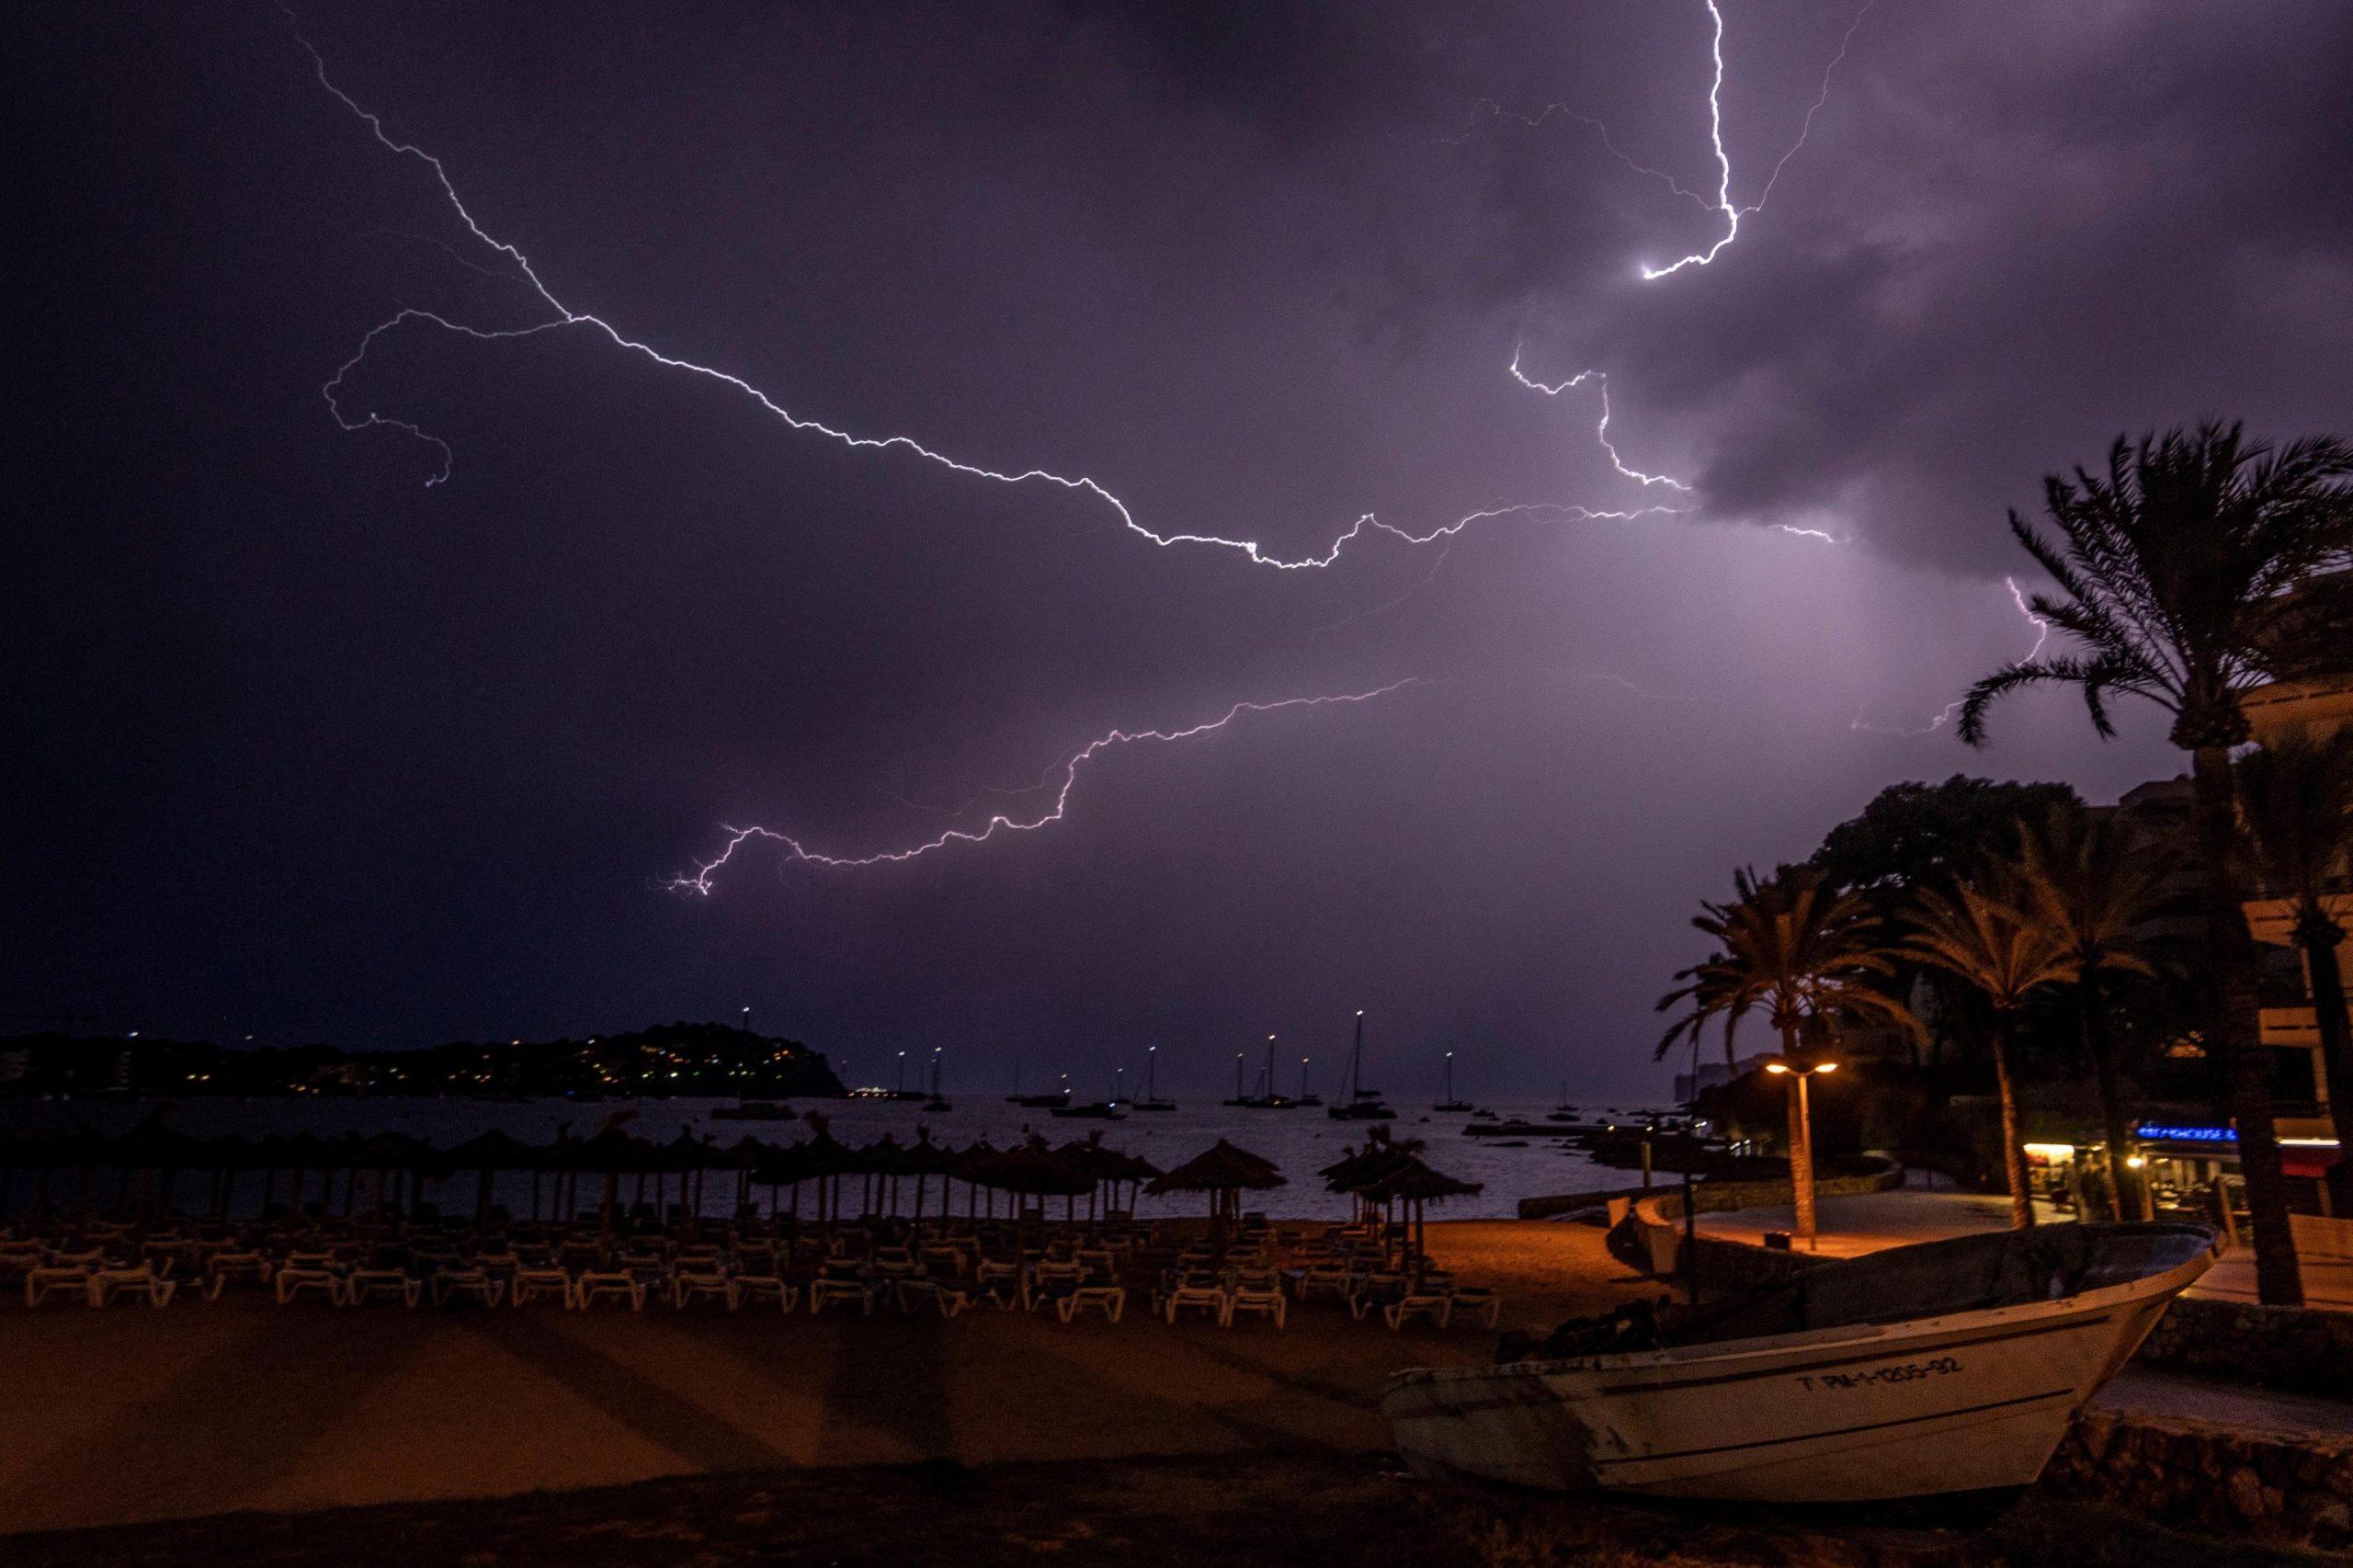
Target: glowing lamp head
(1827, 1067)
(1777, 1067)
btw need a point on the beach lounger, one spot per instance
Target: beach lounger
(1049, 1282)
(1254, 1290)
(475, 1284)
(914, 1294)
(746, 1288)
(598, 1284)
(1336, 1282)
(1108, 1300)
(107, 1284)
(52, 1279)
(291, 1282)
(1202, 1298)
(530, 1282)
(1377, 1291)
(1480, 1302)
(1433, 1308)
(824, 1294)
(699, 1284)
(1001, 1282)
(224, 1266)
(365, 1285)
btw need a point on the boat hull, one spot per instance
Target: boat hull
(1966, 1401)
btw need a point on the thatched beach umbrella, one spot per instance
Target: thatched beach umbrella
(968, 1161)
(1359, 1169)
(924, 1159)
(1032, 1171)
(152, 1148)
(489, 1153)
(1415, 1184)
(1223, 1172)
(742, 1156)
(881, 1163)
(826, 1159)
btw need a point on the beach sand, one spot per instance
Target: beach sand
(135, 1414)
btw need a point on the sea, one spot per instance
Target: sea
(1300, 1141)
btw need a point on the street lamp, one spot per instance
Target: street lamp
(1802, 1141)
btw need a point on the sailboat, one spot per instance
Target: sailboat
(1038, 1102)
(1152, 1101)
(1266, 1099)
(936, 1106)
(1305, 1097)
(1447, 1102)
(1565, 1111)
(1359, 1103)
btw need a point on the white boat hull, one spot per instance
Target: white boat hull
(1961, 1403)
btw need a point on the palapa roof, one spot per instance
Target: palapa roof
(1415, 1182)
(1218, 1168)
(1032, 1169)
(493, 1150)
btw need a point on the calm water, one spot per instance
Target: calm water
(1299, 1142)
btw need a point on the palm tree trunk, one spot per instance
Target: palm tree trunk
(2123, 1182)
(2336, 1061)
(1800, 1146)
(2230, 946)
(2013, 1150)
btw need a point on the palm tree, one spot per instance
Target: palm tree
(2299, 799)
(2175, 568)
(1807, 956)
(2087, 882)
(1985, 941)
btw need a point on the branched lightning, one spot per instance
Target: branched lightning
(1724, 203)
(1601, 430)
(556, 315)
(564, 316)
(795, 850)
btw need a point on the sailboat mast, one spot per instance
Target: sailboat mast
(1150, 1059)
(1356, 1060)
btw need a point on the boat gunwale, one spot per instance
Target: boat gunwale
(1684, 1358)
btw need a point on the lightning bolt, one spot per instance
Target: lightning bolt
(1724, 203)
(2042, 627)
(699, 882)
(1601, 430)
(563, 316)
(560, 316)
(1944, 715)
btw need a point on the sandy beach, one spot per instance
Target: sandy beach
(134, 1414)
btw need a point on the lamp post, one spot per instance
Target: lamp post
(1802, 1141)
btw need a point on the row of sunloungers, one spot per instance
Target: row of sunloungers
(1264, 1275)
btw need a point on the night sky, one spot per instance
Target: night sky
(302, 748)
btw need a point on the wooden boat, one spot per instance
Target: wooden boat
(1951, 1366)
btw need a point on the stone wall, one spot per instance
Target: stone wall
(1651, 1235)
(2211, 1478)
(2294, 1348)
(1713, 1197)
